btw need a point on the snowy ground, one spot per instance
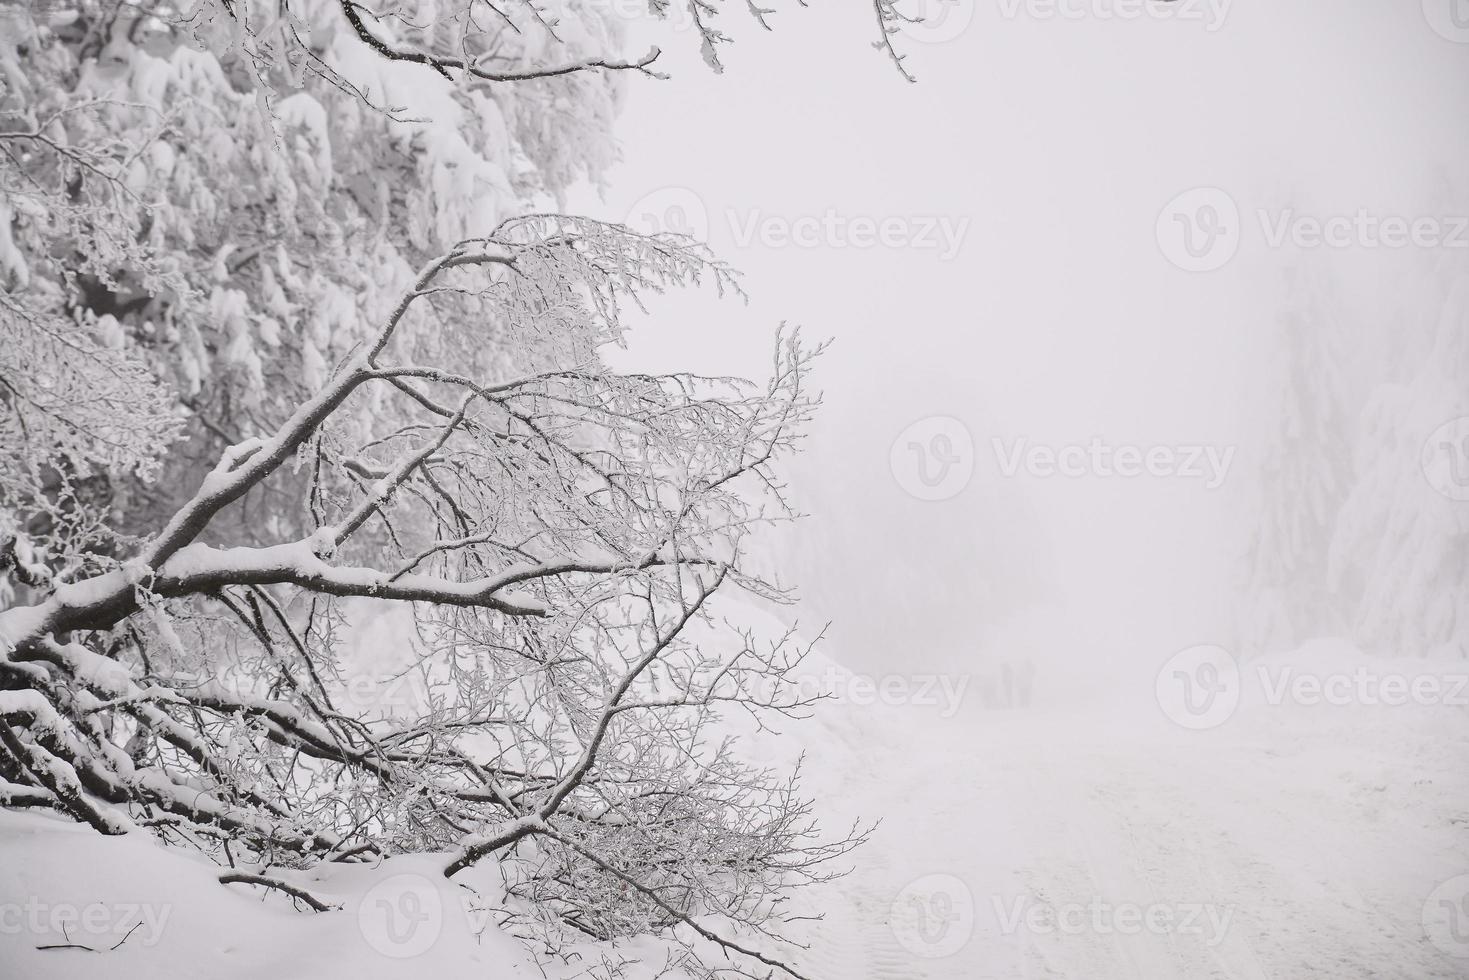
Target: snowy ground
(1291, 840)
(1086, 841)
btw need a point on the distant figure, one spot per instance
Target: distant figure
(1024, 681)
(1011, 688)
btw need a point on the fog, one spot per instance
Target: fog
(384, 601)
(1046, 145)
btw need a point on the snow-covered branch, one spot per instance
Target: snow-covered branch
(260, 434)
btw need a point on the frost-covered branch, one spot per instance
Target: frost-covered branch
(557, 534)
(446, 65)
(326, 533)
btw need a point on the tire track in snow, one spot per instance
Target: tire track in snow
(856, 939)
(1091, 842)
(1167, 855)
(1313, 874)
(1057, 872)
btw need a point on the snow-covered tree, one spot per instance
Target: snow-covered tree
(233, 215)
(1400, 551)
(1303, 477)
(1362, 530)
(290, 323)
(223, 192)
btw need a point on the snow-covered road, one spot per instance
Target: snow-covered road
(1042, 844)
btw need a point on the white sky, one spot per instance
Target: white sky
(1059, 140)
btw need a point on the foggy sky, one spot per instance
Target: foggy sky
(1058, 140)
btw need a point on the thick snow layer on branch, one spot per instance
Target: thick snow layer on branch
(298, 562)
(34, 704)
